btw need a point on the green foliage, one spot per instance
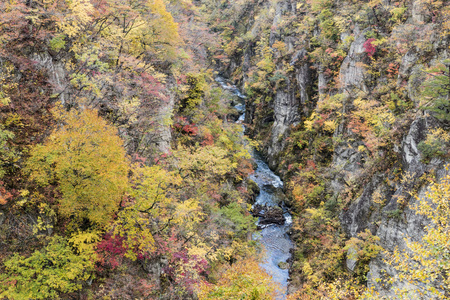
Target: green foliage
(85, 159)
(398, 14)
(363, 249)
(319, 5)
(329, 29)
(57, 43)
(7, 151)
(242, 221)
(395, 214)
(195, 91)
(436, 90)
(435, 145)
(58, 268)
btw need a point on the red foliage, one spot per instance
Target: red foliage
(110, 251)
(4, 195)
(245, 167)
(208, 140)
(392, 70)
(217, 197)
(310, 164)
(369, 47)
(190, 129)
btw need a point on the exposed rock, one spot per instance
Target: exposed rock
(411, 155)
(408, 62)
(283, 265)
(394, 221)
(352, 73)
(56, 73)
(381, 204)
(393, 233)
(269, 215)
(351, 261)
(419, 13)
(288, 107)
(358, 216)
(286, 113)
(165, 113)
(154, 267)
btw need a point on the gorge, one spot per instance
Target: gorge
(129, 169)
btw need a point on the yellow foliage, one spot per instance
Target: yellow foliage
(206, 162)
(85, 158)
(280, 46)
(426, 263)
(79, 16)
(243, 280)
(310, 122)
(329, 125)
(151, 209)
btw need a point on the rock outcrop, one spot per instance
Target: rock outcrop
(268, 215)
(383, 202)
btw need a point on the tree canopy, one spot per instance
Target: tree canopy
(85, 158)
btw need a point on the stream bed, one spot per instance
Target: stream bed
(273, 237)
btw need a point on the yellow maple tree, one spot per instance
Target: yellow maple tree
(86, 160)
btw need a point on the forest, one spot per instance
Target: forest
(217, 149)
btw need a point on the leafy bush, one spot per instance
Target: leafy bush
(56, 269)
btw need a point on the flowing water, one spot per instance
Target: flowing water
(273, 237)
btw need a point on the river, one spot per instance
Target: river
(273, 237)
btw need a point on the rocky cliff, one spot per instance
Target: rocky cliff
(342, 90)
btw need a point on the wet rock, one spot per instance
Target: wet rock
(269, 215)
(233, 116)
(283, 265)
(269, 188)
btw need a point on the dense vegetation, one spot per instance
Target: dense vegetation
(123, 175)
(335, 89)
(120, 175)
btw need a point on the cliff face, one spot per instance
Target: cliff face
(363, 85)
(148, 136)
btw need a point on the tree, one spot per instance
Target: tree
(6, 152)
(243, 280)
(84, 157)
(150, 211)
(436, 90)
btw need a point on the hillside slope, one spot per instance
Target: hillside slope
(351, 102)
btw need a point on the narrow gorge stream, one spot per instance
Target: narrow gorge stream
(272, 236)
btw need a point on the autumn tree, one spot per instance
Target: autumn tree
(150, 210)
(243, 280)
(85, 159)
